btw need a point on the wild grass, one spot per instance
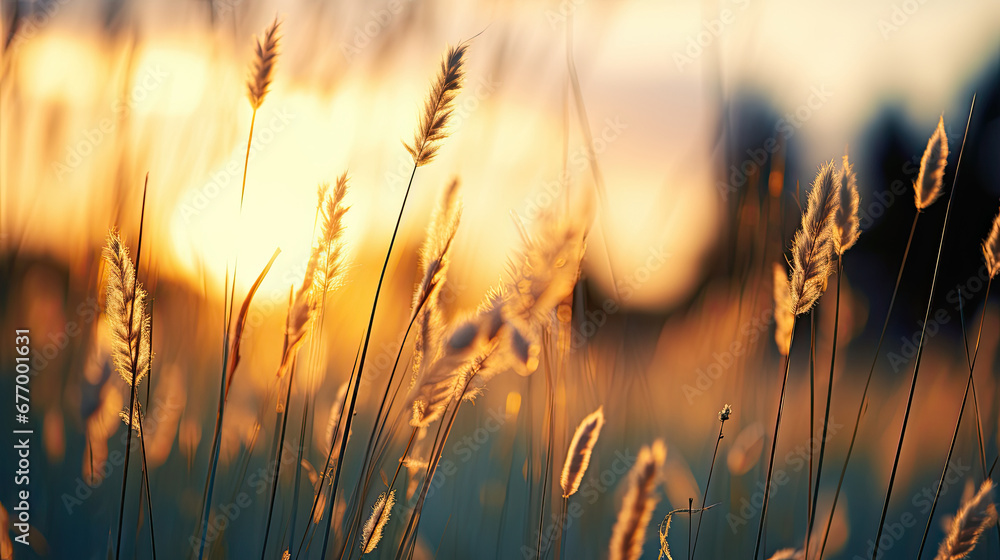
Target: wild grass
(432, 130)
(580, 450)
(664, 529)
(384, 437)
(989, 256)
(258, 83)
(931, 171)
(724, 415)
(975, 516)
(629, 532)
(372, 532)
(812, 251)
(847, 230)
(578, 459)
(132, 351)
(438, 107)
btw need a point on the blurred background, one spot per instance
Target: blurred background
(693, 126)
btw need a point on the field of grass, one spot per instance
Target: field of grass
(395, 289)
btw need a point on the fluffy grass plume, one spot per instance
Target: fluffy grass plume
(441, 229)
(501, 334)
(331, 266)
(434, 260)
(438, 107)
(324, 271)
(580, 450)
(461, 355)
(629, 532)
(812, 247)
(372, 532)
(784, 319)
(128, 320)
(262, 67)
(846, 224)
(991, 248)
(547, 267)
(301, 311)
(927, 187)
(975, 516)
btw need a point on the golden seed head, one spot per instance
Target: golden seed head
(927, 187)
(262, 67)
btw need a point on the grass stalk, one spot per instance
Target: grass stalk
(559, 527)
(135, 357)
(920, 345)
(370, 461)
(277, 458)
(774, 445)
(969, 362)
(547, 427)
(954, 436)
(329, 458)
(690, 525)
(142, 445)
(230, 293)
(298, 471)
(812, 427)
(829, 398)
(868, 381)
(723, 416)
(364, 354)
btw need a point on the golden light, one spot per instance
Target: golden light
(289, 157)
(169, 78)
(60, 67)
